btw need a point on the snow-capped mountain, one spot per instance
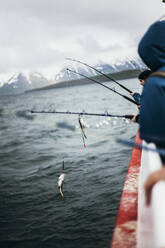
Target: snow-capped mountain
(129, 64)
(37, 80)
(65, 75)
(20, 83)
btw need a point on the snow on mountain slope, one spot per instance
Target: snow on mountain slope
(129, 64)
(21, 82)
(18, 83)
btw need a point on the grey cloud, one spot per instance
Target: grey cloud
(114, 13)
(38, 33)
(91, 45)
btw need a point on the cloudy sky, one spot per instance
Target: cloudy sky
(37, 35)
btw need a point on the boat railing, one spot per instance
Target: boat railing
(151, 219)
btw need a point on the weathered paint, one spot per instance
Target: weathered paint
(126, 223)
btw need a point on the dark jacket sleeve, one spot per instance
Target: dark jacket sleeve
(137, 98)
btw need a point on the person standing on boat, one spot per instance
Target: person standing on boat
(142, 78)
(152, 111)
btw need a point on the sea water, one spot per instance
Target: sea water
(32, 148)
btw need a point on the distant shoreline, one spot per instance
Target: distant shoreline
(83, 81)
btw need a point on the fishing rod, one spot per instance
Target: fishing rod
(82, 113)
(112, 79)
(129, 143)
(126, 97)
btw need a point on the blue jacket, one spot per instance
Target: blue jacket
(137, 98)
(152, 112)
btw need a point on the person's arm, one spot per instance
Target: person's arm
(136, 96)
(151, 181)
(135, 118)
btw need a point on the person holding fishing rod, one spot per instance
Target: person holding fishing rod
(107, 87)
(152, 111)
(142, 78)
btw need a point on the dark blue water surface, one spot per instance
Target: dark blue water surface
(32, 147)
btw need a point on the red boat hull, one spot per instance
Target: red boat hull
(126, 223)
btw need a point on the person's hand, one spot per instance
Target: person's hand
(151, 181)
(134, 118)
(132, 93)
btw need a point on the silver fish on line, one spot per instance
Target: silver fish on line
(61, 180)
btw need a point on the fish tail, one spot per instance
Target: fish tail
(61, 192)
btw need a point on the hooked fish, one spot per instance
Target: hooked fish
(82, 129)
(61, 180)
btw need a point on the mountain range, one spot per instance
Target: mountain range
(19, 83)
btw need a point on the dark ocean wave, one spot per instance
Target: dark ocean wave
(65, 125)
(25, 114)
(1, 112)
(32, 212)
